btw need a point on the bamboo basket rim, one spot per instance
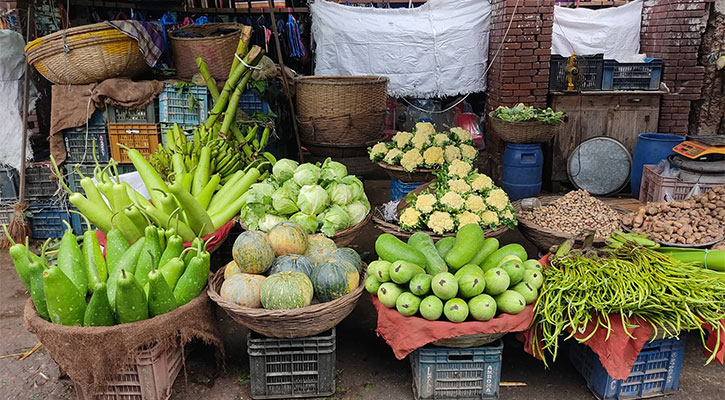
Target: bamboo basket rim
(342, 232)
(235, 25)
(523, 123)
(399, 168)
(68, 32)
(397, 231)
(341, 80)
(670, 244)
(40, 53)
(342, 145)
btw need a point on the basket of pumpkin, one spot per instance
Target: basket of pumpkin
(286, 283)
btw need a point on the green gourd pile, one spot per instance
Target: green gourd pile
(131, 283)
(466, 277)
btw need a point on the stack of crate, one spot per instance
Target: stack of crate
(46, 201)
(8, 192)
(135, 129)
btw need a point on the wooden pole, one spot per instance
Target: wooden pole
(26, 90)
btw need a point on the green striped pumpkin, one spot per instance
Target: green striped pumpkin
(286, 290)
(318, 248)
(292, 262)
(332, 279)
(252, 252)
(349, 255)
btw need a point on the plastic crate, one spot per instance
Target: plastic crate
(150, 377)
(632, 76)
(400, 189)
(292, 368)
(8, 184)
(457, 373)
(125, 168)
(174, 104)
(120, 115)
(79, 146)
(142, 137)
(74, 180)
(654, 187)
(656, 371)
(251, 103)
(41, 182)
(187, 128)
(46, 220)
(590, 70)
(77, 223)
(6, 214)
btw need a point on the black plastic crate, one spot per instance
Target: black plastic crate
(632, 76)
(74, 179)
(46, 220)
(6, 214)
(8, 184)
(588, 77)
(457, 373)
(41, 183)
(120, 115)
(292, 368)
(79, 144)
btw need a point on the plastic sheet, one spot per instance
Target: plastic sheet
(12, 68)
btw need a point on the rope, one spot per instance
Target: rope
(245, 64)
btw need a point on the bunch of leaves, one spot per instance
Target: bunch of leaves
(524, 113)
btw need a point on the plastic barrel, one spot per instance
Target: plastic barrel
(522, 165)
(650, 149)
(400, 189)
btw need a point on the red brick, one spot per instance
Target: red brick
(522, 93)
(522, 79)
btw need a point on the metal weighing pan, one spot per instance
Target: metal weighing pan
(599, 165)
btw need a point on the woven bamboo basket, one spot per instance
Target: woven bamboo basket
(344, 237)
(341, 110)
(522, 132)
(340, 150)
(399, 173)
(217, 51)
(86, 54)
(298, 322)
(475, 340)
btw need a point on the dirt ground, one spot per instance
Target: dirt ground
(366, 368)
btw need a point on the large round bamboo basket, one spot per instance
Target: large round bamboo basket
(218, 51)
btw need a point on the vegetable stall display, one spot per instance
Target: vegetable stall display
(462, 277)
(321, 198)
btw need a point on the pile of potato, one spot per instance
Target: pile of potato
(700, 219)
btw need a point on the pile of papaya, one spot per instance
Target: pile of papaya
(132, 282)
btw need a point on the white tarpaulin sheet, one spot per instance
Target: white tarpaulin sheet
(12, 67)
(613, 31)
(437, 49)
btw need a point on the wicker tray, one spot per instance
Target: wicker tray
(340, 150)
(681, 245)
(399, 173)
(344, 237)
(217, 51)
(475, 340)
(522, 132)
(299, 322)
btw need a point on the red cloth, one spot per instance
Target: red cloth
(219, 236)
(406, 334)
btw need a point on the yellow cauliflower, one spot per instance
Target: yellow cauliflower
(440, 139)
(393, 156)
(481, 182)
(459, 169)
(452, 153)
(507, 214)
(410, 218)
(489, 217)
(440, 222)
(498, 199)
(461, 134)
(425, 202)
(452, 200)
(469, 152)
(401, 139)
(459, 186)
(425, 128)
(411, 160)
(378, 151)
(433, 156)
(420, 140)
(475, 203)
(467, 217)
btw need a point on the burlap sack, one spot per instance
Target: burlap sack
(92, 356)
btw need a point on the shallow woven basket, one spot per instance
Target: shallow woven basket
(94, 53)
(340, 150)
(217, 51)
(399, 173)
(475, 340)
(522, 132)
(298, 322)
(544, 238)
(344, 237)
(341, 109)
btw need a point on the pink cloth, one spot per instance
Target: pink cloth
(219, 236)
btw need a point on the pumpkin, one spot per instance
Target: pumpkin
(332, 279)
(243, 289)
(252, 252)
(288, 238)
(286, 290)
(349, 255)
(231, 269)
(292, 262)
(318, 248)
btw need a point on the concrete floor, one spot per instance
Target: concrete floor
(366, 367)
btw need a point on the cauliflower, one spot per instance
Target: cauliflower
(410, 218)
(433, 156)
(401, 139)
(469, 152)
(481, 182)
(425, 202)
(452, 153)
(475, 203)
(393, 156)
(378, 151)
(420, 140)
(489, 218)
(462, 134)
(459, 186)
(467, 217)
(507, 214)
(452, 200)
(440, 222)
(498, 199)
(459, 169)
(425, 128)
(440, 139)
(411, 160)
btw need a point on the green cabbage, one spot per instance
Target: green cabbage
(283, 202)
(292, 187)
(356, 186)
(334, 219)
(269, 221)
(340, 193)
(309, 222)
(251, 214)
(332, 171)
(261, 193)
(284, 169)
(307, 174)
(357, 211)
(312, 199)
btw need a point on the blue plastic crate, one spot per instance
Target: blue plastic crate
(187, 128)
(656, 371)
(174, 104)
(46, 220)
(8, 184)
(78, 223)
(74, 179)
(400, 189)
(251, 103)
(632, 76)
(79, 144)
(457, 373)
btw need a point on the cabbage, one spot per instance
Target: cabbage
(307, 174)
(269, 221)
(292, 187)
(334, 219)
(261, 193)
(251, 214)
(357, 211)
(332, 171)
(284, 169)
(283, 202)
(356, 186)
(309, 222)
(312, 199)
(339, 193)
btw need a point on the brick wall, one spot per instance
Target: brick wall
(672, 30)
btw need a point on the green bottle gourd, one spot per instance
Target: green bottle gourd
(194, 278)
(131, 303)
(150, 254)
(66, 304)
(127, 262)
(162, 238)
(99, 311)
(174, 247)
(19, 254)
(172, 271)
(116, 245)
(71, 261)
(160, 297)
(37, 289)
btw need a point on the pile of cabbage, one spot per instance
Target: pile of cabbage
(321, 198)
